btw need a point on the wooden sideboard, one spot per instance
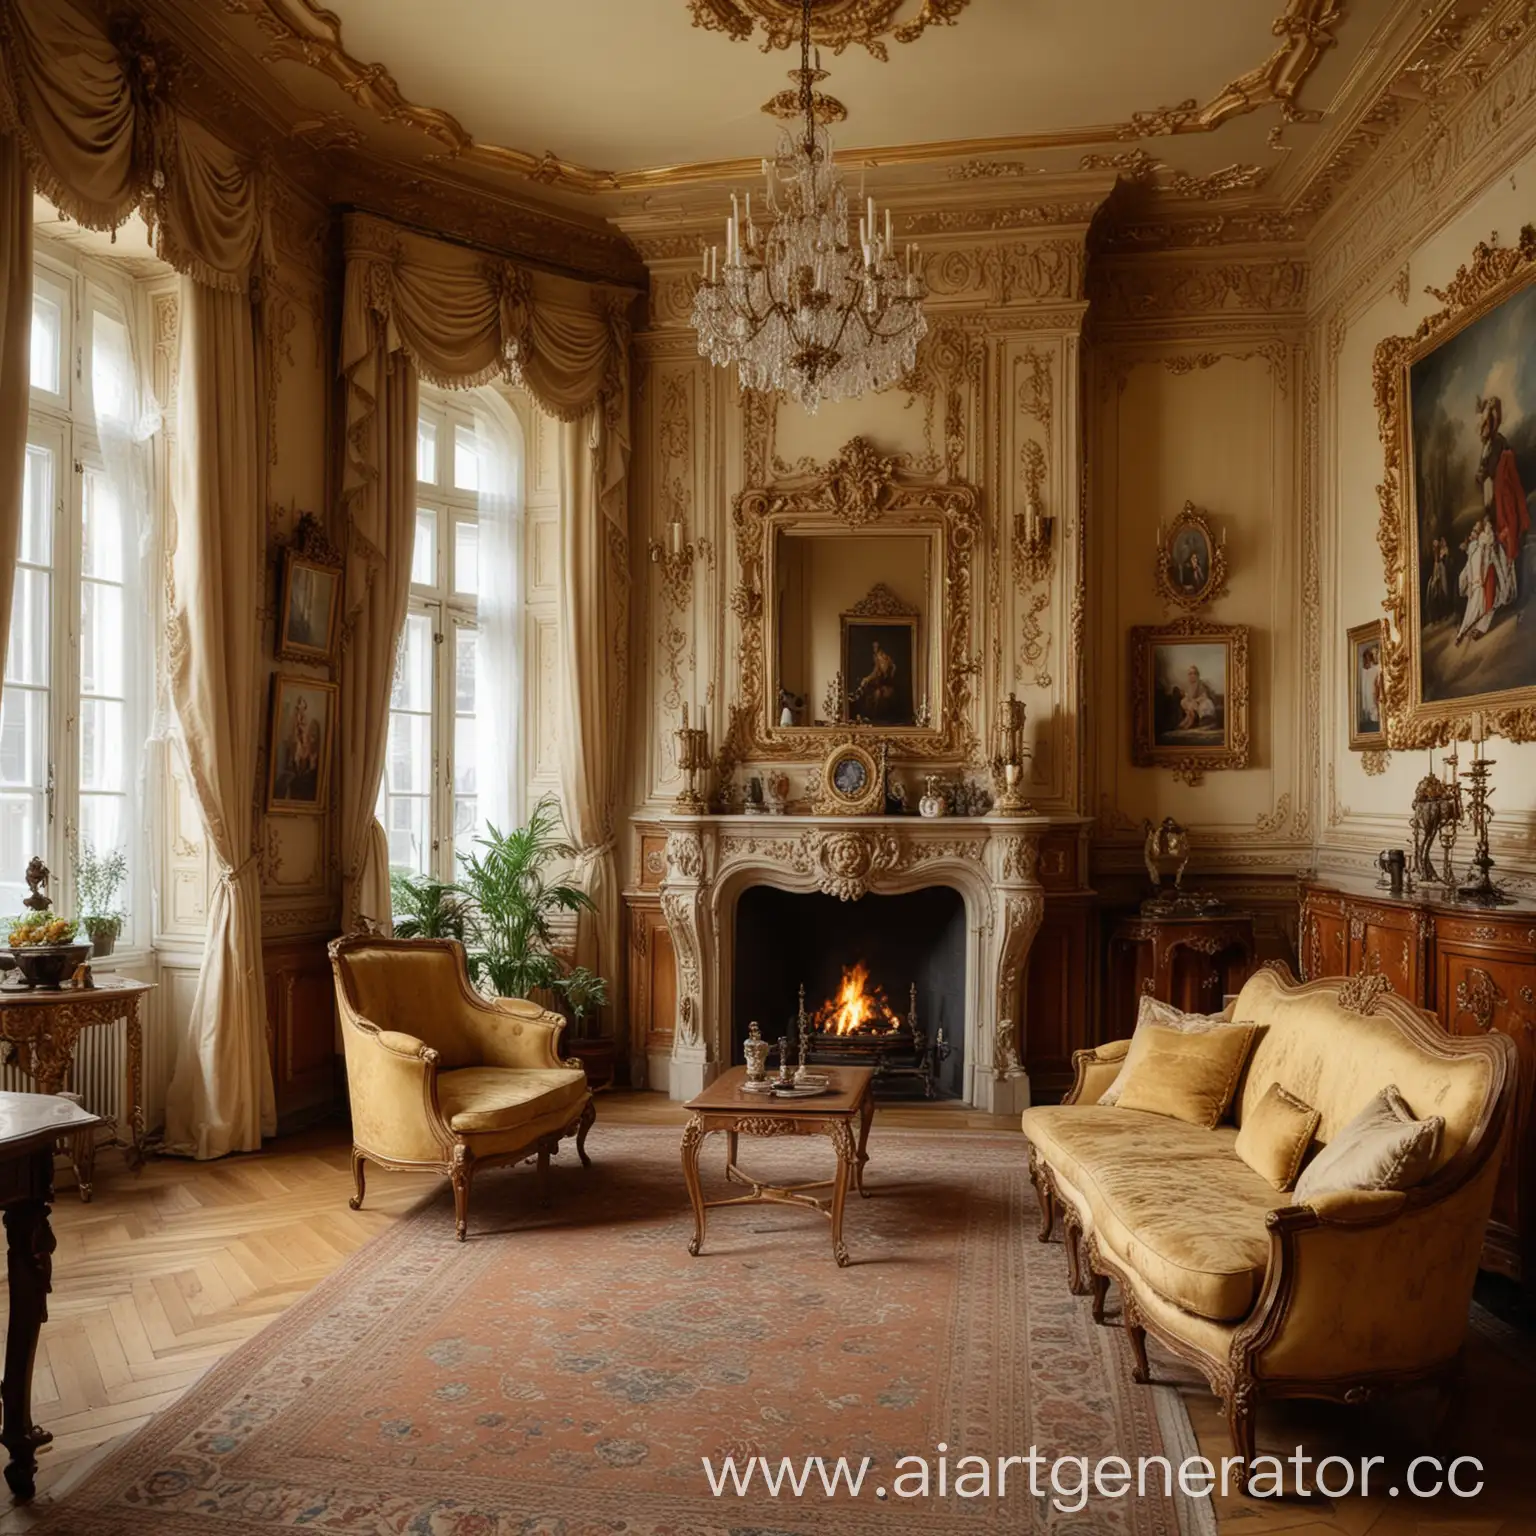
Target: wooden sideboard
(1475, 969)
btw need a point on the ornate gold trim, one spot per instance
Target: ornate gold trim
(859, 487)
(1494, 274)
(1369, 742)
(868, 801)
(836, 24)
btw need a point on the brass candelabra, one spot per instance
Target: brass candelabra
(693, 759)
(1008, 763)
(1480, 887)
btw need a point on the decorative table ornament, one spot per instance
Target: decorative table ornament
(1434, 803)
(786, 1077)
(756, 1051)
(692, 760)
(1165, 851)
(1008, 764)
(852, 782)
(1393, 863)
(753, 803)
(1480, 887)
(777, 786)
(933, 803)
(804, 1077)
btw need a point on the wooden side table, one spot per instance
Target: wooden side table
(1189, 961)
(42, 1026)
(31, 1126)
(724, 1106)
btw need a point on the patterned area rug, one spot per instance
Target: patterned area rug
(565, 1371)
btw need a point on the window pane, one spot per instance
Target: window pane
(104, 825)
(466, 557)
(111, 378)
(23, 739)
(408, 768)
(466, 460)
(424, 550)
(466, 822)
(21, 835)
(405, 826)
(426, 450)
(464, 776)
(103, 641)
(47, 341)
(39, 478)
(413, 669)
(102, 550)
(103, 745)
(26, 657)
(466, 649)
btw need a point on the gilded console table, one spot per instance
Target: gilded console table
(41, 1026)
(31, 1126)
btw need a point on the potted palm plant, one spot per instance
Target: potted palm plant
(512, 898)
(425, 908)
(97, 879)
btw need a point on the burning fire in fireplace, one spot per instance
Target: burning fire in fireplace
(860, 1006)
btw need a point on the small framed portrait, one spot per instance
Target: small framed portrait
(878, 657)
(1367, 689)
(1189, 684)
(309, 595)
(1191, 560)
(852, 782)
(303, 732)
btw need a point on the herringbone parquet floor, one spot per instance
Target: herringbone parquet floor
(167, 1271)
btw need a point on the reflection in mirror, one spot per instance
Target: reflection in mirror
(852, 637)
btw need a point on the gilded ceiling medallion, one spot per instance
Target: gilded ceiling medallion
(837, 24)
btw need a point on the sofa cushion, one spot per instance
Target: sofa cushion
(1383, 1147)
(1152, 1011)
(1189, 1077)
(503, 1098)
(1276, 1135)
(1171, 1201)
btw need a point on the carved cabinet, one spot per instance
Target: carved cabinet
(1475, 969)
(1191, 962)
(301, 1030)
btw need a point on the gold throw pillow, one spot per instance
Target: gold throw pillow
(1188, 1077)
(1152, 1011)
(1276, 1134)
(1383, 1147)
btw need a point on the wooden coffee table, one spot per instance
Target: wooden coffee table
(724, 1106)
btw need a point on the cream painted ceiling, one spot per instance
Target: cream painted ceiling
(631, 86)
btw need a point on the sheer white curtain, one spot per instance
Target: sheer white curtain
(499, 614)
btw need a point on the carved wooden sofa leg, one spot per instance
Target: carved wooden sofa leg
(1072, 1235)
(1040, 1177)
(1239, 1405)
(1136, 1335)
(588, 1115)
(461, 1174)
(359, 1180)
(1100, 1293)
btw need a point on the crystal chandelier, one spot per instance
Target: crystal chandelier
(800, 307)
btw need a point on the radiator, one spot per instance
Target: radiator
(99, 1075)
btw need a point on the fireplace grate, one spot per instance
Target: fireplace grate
(903, 1050)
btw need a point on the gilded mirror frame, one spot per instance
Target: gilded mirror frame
(859, 489)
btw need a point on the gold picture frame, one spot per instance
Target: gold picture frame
(1191, 560)
(301, 742)
(309, 597)
(852, 782)
(1189, 697)
(881, 619)
(1417, 592)
(1366, 686)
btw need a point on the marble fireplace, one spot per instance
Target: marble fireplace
(969, 976)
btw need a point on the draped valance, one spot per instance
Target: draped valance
(89, 114)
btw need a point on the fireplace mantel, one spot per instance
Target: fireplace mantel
(992, 861)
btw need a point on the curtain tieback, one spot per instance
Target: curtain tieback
(594, 851)
(231, 877)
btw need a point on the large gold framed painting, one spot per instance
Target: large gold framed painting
(1457, 407)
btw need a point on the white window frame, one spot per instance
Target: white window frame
(66, 421)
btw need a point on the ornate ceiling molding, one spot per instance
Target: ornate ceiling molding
(837, 24)
(301, 31)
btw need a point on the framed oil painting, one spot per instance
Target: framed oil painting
(309, 599)
(1367, 689)
(302, 742)
(878, 659)
(1189, 697)
(1459, 396)
(1191, 560)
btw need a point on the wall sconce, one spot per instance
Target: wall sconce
(1032, 536)
(675, 555)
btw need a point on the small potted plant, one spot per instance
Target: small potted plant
(582, 990)
(425, 908)
(97, 879)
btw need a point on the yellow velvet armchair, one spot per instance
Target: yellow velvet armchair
(440, 1077)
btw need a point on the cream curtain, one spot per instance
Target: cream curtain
(220, 1098)
(85, 115)
(463, 318)
(15, 359)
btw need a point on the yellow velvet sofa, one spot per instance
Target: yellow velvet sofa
(441, 1077)
(1336, 1298)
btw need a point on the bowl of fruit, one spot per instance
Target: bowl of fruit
(44, 949)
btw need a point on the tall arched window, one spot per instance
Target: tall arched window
(453, 730)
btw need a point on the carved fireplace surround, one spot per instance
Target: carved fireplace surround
(991, 861)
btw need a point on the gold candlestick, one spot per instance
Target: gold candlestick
(692, 758)
(1008, 763)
